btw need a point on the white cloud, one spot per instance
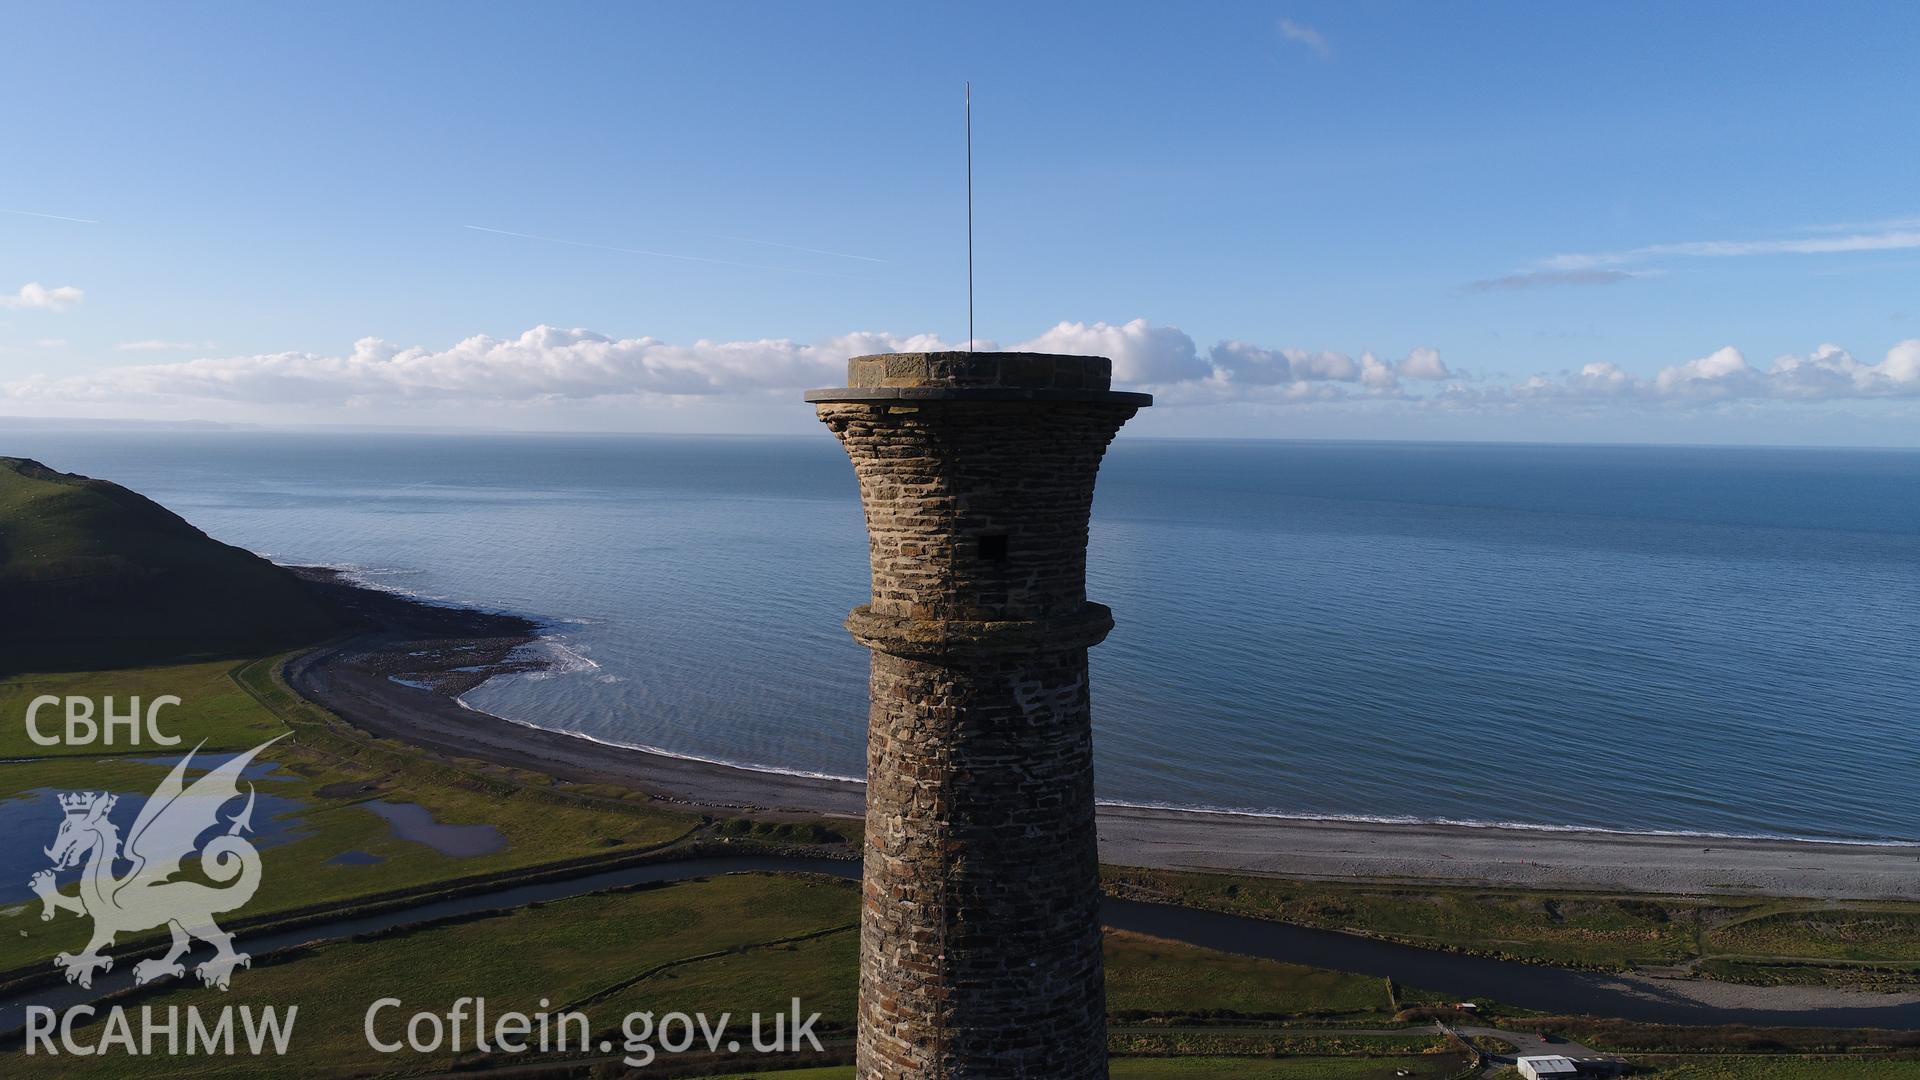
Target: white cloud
(1251, 365)
(1141, 353)
(1243, 365)
(1306, 35)
(1722, 373)
(1247, 364)
(51, 342)
(1425, 363)
(35, 296)
(1377, 375)
(1827, 373)
(1885, 240)
(1831, 371)
(545, 363)
(549, 364)
(1536, 279)
(1902, 365)
(1606, 380)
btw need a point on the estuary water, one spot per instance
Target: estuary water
(1648, 639)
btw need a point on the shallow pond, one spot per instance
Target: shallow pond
(411, 821)
(29, 821)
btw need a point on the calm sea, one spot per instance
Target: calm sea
(1643, 639)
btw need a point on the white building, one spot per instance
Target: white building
(1547, 1067)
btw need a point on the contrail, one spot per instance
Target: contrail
(55, 217)
(655, 254)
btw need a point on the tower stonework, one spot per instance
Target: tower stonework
(979, 934)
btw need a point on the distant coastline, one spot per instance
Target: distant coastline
(405, 678)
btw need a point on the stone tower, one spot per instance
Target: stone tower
(980, 933)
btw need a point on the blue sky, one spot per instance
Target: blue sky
(1342, 220)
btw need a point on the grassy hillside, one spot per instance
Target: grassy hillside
(95, 576)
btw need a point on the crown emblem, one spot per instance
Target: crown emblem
(76, 802)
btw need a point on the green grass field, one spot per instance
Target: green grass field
(1628, 1037)
(738, 943)
(1577, 929)
(1878, 932)
(565, 952)
(329, 776)
(1880, 977)
(214, 710)
(1589, 930)
(1148, 976)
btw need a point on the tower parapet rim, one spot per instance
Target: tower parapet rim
(979, 376)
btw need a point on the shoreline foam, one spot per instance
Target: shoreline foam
(1173, 808)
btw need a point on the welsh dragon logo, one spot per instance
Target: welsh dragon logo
(167, 830)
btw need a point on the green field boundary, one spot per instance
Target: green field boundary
(608, 991)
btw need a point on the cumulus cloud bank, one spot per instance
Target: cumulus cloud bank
(545, 363)
(1141, 353)
(548, 364)
(1300, 372)
(35, 296)
(1828, 372)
